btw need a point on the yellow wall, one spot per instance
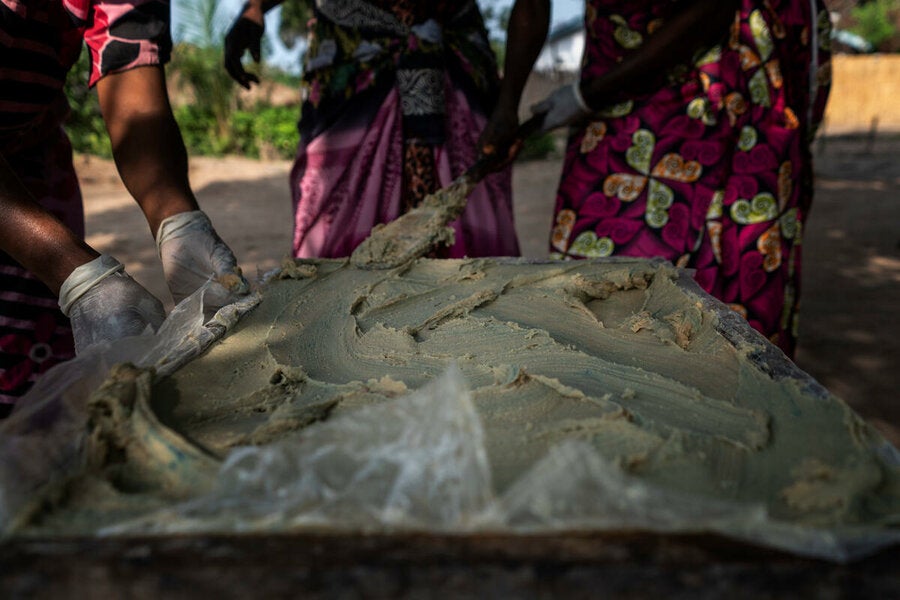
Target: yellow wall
(863, 87)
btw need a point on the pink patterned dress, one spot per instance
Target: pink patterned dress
(712, 169)
(40, 40)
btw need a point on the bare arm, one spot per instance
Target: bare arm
(695, 24)
(529, 22)
(146, 142)
(35, 238)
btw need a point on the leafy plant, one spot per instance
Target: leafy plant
(85, 124)
(538, 147)
(198, 64)
(877, 22)
(295, 14)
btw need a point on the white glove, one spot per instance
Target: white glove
(192, 252)
(565, 106)
(104, 303)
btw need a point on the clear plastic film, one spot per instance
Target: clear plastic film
(419, 463)
(416, 462)
(43, 440)
(413, 463)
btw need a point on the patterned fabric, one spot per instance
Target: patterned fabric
(396, 96)
(34, 334)
(350, 178)
(39, 42)
(712, 169)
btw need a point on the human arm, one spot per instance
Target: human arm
(152, 162)
(34, 237)
(529, 21)
(694, 24)
(102, 301)
(245, 35)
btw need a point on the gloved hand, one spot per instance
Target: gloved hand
(245, 34)
(192, 252)
(565, 106)
(104, 303)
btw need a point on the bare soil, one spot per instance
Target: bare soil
(851, 289)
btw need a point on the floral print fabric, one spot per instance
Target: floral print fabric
(712, 169)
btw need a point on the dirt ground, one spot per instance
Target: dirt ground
(851, 296)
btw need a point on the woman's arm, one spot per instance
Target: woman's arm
(35, 238)
(529, 22)
(146, 142)
(152, 162)
(694, 25)
(102, 301)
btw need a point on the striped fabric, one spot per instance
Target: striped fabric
(40, 40)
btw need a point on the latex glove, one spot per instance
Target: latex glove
(104, 303)
(245, 34)
(192, 253)
(565, 106)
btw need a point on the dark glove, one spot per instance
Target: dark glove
(104, 303)
(245, 34)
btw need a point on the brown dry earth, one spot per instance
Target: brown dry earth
(851, 297)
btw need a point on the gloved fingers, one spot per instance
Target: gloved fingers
(114, 307)
(256, 51)
(227, 272)
(84, 278)
(543, 106)
(245, 34)
(192, 252)
(564, 107)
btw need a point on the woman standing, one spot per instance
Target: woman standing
(396, 95)
(691, 142)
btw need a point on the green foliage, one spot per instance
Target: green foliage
(876, 21)
(85, 124)
(211, 121)
(202, 75)
(295, 14)
(538, 147)
(275, 131)
(265, 132)
(496, 18)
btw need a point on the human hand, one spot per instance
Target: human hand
(245, 34)
(192, 252)
(499, 139)
(104, 303)
(565, 106)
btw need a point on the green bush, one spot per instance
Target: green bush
(85, 125)
(538, 147)
(275, 130)
(268, 131)
(876, 21)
